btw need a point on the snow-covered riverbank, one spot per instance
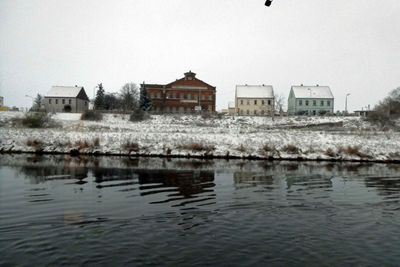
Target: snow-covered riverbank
(328, 138)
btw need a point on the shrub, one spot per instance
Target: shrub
(35, 143)
(241, 148)
(82, 144)
(291, 149)
(92, 115)
(138, 115)
(37, 120)
(353, 151)
(330, 153)
(131, 146)
(198, 147)
(268, 149)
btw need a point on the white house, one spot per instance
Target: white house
(66, 99)
(254, 100)
(310, 100)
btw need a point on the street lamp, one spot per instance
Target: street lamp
(31, 98)
(345, 105)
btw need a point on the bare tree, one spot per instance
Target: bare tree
(279, 103)
(129, 95)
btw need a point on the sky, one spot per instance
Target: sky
(353, 46)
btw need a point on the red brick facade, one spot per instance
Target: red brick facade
(181, 96)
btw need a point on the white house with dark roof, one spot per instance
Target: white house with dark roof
(254, 100)
(66, 99)
(310, 100)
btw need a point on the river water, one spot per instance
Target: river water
(109, 211)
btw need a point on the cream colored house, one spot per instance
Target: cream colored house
(254, 100)
(66, 99)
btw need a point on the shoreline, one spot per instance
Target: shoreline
(203, 157)
(329, 139)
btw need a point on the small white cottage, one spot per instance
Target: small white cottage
(310, 100)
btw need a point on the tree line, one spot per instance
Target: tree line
(387, 111)
(129, 98)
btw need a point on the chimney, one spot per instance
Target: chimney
(301, 85)
(317, 85)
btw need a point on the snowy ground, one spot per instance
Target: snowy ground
(335, 138)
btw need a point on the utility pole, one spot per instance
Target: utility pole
(345, 105)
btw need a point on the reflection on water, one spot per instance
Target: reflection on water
(61, 210)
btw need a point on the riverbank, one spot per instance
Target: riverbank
(286, 138)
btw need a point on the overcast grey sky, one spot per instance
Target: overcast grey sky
(350, 45)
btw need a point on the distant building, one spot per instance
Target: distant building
(254, 100)
(66, 99)
(362, 113)
(1, 101)
(186, 95)
(310, 100)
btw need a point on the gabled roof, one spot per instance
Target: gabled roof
(64, 91)
(255, 91)
(312, 92)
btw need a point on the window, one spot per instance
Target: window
(56, 101)
(306, 102)
(174, 95)
(158, 95)
(255, 112)
(269, 102)
(300, 102)
(210, 97)
(247, 112)
(328, 103)
(50, 101)
(262, 112)
(189, 96)
(262, 102)
(255, 102)
(209, 108)
(248, 102)
(322, 103)
(314, 102)
(85, 103)
(241, 102)
(203, 97)
(69, 101)
(151, 96)
(241, 112)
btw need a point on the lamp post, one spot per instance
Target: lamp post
(31, 97)
(345, 105)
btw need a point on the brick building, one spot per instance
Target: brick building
(185, 95)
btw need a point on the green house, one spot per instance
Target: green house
(310, 100)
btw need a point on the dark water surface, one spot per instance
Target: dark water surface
(57, 210)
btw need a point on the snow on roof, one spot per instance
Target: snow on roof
(255, 91)
(312, 92)
(64, 91)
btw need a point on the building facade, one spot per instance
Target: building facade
(186, 95)
(254, 100)
(66, 99)
(310, 100)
